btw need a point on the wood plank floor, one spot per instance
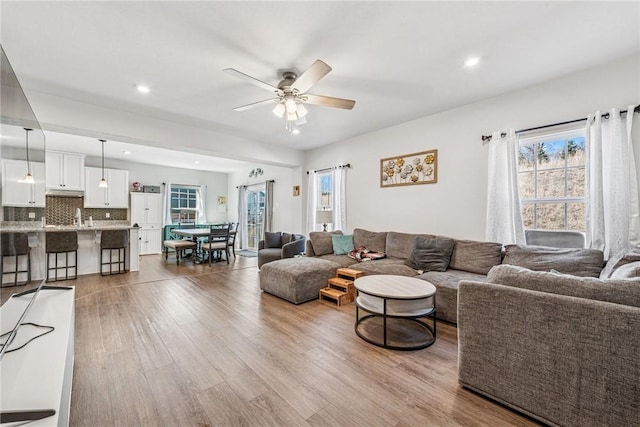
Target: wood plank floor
(194, 345)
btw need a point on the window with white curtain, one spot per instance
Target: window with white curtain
(324, 191)
(184, 203)
(551, 177)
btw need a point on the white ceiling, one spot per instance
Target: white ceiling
(398, 60)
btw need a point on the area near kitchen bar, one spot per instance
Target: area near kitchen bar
(60, 202)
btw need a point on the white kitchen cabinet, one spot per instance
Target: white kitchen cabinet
(65, 171)
(16, 192)
(114, 196)
(146, 211)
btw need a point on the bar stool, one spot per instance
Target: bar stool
(114, 240)
(62, 242)
(15, 245)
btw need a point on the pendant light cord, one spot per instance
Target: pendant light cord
(103, 141)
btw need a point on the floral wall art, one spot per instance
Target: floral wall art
(409, 169)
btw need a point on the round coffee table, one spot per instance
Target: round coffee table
(394, 307)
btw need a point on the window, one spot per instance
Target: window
(184, 202)
(325, 191)
(551, 179)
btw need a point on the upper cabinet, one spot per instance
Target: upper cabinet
(17, 192)
(116, 195)
(65, 171)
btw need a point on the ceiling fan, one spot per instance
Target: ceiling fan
(291, 94)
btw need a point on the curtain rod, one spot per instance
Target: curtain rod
(348, 165)
(253, 185)
(486, 138)
(183, 185)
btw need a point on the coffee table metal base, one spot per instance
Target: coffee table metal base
(396, 332)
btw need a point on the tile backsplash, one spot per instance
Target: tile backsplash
(62, 211)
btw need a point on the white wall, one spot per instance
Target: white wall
(456, 205)
(287, 210)
(155, 175)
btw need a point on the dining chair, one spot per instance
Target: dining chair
(218, 241)
(233, 231)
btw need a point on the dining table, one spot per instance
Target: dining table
(195, 234)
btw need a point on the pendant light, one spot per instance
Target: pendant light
(103, 182)
(29, 178)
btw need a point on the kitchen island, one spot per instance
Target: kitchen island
(88, 246)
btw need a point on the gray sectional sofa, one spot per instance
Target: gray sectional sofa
(561, 348)
(470, 260)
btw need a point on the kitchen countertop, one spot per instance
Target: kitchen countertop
(36, 226)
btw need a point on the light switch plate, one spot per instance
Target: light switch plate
(32, 215)
(107, 215)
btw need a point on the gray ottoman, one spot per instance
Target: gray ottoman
(296, 279)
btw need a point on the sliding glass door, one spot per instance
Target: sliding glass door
(255, 215)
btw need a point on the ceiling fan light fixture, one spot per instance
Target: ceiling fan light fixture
(292, 116)
(301, 110)
(279, 110)
(291, 105)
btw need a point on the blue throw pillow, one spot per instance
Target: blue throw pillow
(342, 244)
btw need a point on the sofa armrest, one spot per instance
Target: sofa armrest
(293, 248)
(261, 244)
(563, 360)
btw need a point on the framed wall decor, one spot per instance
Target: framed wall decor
(409, 169)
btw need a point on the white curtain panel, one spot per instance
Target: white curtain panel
(242, 216)
(613, 213)
(201, 214)
(339, 180)
(504, 218)
(166, 205)
(268, 207)
(312, 197)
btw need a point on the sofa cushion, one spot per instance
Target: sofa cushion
(370, 240)
(321, 241)
(446, 282)
(272, 239)
(475, 257)
(395, 266)
(342, 244)
(400, 245)
(341, 260)
(618, 291)
(578, 262)
(627, 271)
(618, 260)
(431, 254)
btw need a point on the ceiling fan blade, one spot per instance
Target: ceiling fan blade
(311, 76)
(256, 104)
(328, 101)
(251, 80)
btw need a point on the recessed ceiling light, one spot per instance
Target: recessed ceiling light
(143, 88)
(472, 61)
(295, 131)
(127, 152)
(196, 162)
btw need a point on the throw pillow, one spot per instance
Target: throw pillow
(431, 254)
(577, 262)
(286, 238)
(272, 239)
(321, 242)
(342, 244)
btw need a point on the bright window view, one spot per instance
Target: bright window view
(552, 181)
(183, 204)
(324, 191)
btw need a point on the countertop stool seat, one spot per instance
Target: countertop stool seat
(15, 245)
(58, 243)
(113, 241)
